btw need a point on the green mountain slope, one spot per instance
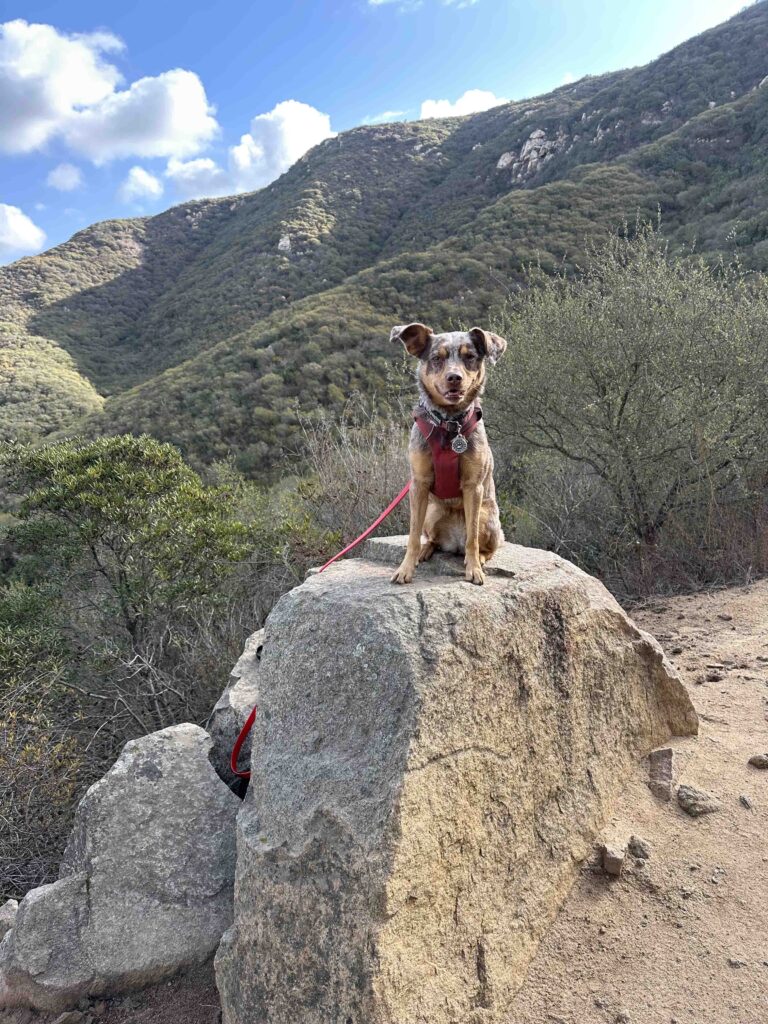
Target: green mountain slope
(217, 323)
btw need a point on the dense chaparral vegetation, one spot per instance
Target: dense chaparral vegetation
(199, 327)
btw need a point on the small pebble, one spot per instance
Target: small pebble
(745, 801)
(735, 962)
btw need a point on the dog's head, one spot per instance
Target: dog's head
(452, 366)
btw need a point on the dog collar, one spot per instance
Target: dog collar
(447, 439)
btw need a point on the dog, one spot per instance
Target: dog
(453, 496)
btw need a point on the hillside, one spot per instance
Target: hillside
(214, 324)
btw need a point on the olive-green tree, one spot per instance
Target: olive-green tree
(646, 372)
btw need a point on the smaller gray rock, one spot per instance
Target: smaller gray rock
(71, 1017)
(613, 860)
(745, 801)
(696, 802)
(145, 886)
(759, 761)
(734, 961)
(8, 916)
(232, 709)
(639, 847)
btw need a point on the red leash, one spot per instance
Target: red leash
(366, 533)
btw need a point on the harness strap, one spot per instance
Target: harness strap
(445, 461)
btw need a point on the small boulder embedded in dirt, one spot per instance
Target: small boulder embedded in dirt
(759, 761)
(639, 847)
(696, 802)
(660, 765)
(613, 860)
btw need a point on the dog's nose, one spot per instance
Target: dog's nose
(453, 378)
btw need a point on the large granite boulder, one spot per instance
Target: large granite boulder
(431, 764)
(146, 882)
(232, 709)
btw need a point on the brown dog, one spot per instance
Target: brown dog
(453, 497)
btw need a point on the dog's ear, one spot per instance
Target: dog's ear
(415, 338)
(489, 346)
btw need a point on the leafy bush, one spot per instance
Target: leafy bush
(636, 396)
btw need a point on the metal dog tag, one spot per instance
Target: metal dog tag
(459, 444)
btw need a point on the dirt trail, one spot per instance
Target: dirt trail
(683, 940)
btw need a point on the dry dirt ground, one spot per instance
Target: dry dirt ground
(681, 940)
(684, 939)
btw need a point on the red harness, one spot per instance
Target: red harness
(441, 436)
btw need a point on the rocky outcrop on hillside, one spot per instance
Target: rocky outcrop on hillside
(430, 765)
(146, 882)
(537, 150)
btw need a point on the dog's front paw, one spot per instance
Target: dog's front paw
(404, 574)
(474, 574)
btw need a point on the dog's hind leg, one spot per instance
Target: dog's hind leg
(491, 536)
(427, 550)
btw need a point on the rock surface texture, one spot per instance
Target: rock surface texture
(233, 708)
(430, 766)
(146, 882)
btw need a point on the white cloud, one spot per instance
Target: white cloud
(194, 179)
(65, 178)
(384, 117)
(276, 140)
(471, 102)
(58, 85)
(45, 77)
(568, 78)
(140, 184)
(19, 235)
(164, 116)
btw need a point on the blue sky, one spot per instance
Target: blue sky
(119, 110)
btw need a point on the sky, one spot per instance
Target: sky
(120, 110)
